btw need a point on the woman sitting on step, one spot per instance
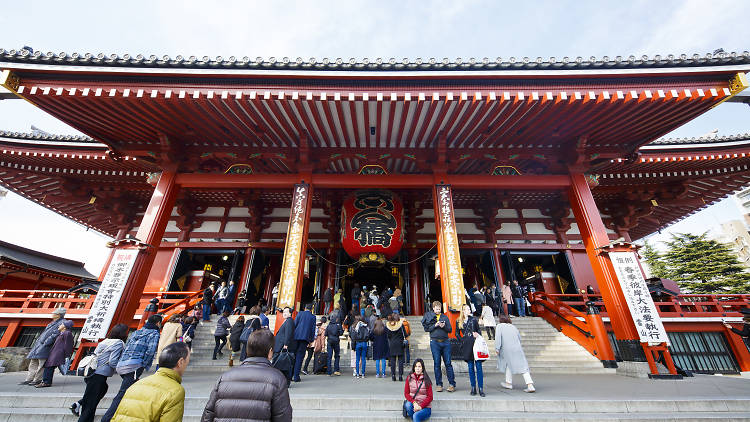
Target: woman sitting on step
(418, 393)
(510, 356)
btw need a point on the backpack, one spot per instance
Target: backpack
(87, 366)
(360, 334)
(247, 330)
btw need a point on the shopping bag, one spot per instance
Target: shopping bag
(481, 351)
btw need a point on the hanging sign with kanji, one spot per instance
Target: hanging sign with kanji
(448, 253)
(642, 308)
(294, 249)
(108, 297)
(372, 220)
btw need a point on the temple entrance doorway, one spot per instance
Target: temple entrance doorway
(195, 269)
(546, 271)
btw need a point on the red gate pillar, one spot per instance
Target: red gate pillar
(594, 236)
(245, 275)
(330, 278)
(150, 231)
(416, 292)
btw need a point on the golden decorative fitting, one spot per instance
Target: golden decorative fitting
(738, 83)
(10, 80)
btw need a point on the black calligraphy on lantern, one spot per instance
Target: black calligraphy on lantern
(374, 223)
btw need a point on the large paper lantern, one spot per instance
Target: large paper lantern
(372, 222)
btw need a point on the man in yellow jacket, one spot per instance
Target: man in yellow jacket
(159, 397)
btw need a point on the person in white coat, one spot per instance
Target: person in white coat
(488, 319)
(510, 356)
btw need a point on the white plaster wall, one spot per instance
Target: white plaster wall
(280, 212)
(509, 228)
(573, 229)
(532, 213)
(316, 227)
(213, 212)
(317, 212)
(239, 212)
(172, 226)
(174, 212)
(208, 226)
(236, 227)
(277, 227)
(429, 228)
(464, 213)
(507, 213)
(429, 212)
(537, 228)
(467, 228)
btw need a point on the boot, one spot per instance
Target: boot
(473, 391)
(481, 392)
(231, 362)
(393, 377)
(400, 377)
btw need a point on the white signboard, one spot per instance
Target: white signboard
(106, 301)
(646, 318)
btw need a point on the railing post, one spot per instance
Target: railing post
(601, 340)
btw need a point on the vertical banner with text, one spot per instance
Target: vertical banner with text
(448, 253)
(641, 305)
(294, 249)
(108, 297)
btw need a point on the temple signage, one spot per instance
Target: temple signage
(449, 257)
(293, 249)
(647, 321)
(110, 291)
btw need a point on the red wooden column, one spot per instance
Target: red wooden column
(594, 237)
(498, 268)
(244, 279)
(330, 277)
(416, 290)
(150, 231)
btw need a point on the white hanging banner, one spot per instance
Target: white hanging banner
(108, 297)
(634, 287)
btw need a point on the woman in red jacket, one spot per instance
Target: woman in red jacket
(418, 393)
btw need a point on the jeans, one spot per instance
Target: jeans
(442, 349)
(490, 332)
(380, 367)
(96, 388)
(421, 415)
(334, 349)
(36, 367)
(510, 309)
(400, 366)
(299, 356)
(361, 349)
(520, 306)
(220, 342)
(479, 381)
(327, 308)
(127, 380)
(48, 373)
(310, 355)
(206, 311)
(406, 351)
(243, 351)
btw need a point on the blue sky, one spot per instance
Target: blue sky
(452, 29)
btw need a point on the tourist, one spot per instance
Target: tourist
(61, 349)
(264, 323)
(333, 332)
(161, 396)
(220, 334)
(220, 297)
(370, 318)
(40, 349)
(379, 347)
(507, 298)
(188, 330)
(208, 299)
(136, 357)
(107, 355)
(418, 393)
(253, 390)
(241, 302)
(363, 302)
(396, 345)
(489, 299)
(339, 298)
(397, 305)
(374, 300)
(316, 346)
(407, 330)
(359, 335)
(336, 313)
(439, 326)
(231, 291)
(197, 312)
(252, 323)
(274, 295)
(234, 338)
(467, 329)
(488, 319)
(171, 332)
(517, 293)
(384, 303)
(356, 291)
(349, 320)
(510, 356)
(304, 334)
(284, 341)
(327, 300)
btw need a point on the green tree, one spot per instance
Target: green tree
(702, 265)
(655, 261)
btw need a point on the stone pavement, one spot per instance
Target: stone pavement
(558, 397)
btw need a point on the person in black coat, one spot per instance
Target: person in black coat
(467, 330)
(284, 341)
(334, 331)
(208, 299)
(396, 336)
(234, 338)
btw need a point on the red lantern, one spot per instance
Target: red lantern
(372, 221)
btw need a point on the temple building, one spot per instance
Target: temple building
(428, 176)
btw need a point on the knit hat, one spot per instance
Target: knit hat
(59, 311)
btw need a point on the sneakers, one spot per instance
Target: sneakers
(450, 389)
(529, 388)
(75, 409)
(506, 385)
(304, 372)
(337, 373)
(439, 389)
(25, 382)
(43, 385)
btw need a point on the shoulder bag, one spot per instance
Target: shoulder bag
(403, 407)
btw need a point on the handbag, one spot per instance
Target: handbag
(481, 351)
(403, 407)
(87, 365)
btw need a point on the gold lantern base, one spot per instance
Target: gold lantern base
(372, 259)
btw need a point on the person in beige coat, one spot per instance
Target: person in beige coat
(170, 333)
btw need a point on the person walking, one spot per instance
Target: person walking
(61, 349)
(488, 319)
(304, 334)
(252, 323)
(161, 396)
(171, 332)
(253, 390)
(107, 355)
(407, 330)
(374, 300)
(208, 299)
(360, 335)
(136, 357)
(40, 349)
(518, 299)
(197, 312)
(188, 330)
(220, 334)
(234, 338)
(274, 295)
(510, 356)
(317, 346)
(231, 291)
(327, 300)
(396, 345)
(467, 329)
(220, 298)
(336, 313)
(284, 341)
(333, 333)
(439, 326)
(264, 323)
(418, 393)
(380, 350)
(356, 291)
(507, 299)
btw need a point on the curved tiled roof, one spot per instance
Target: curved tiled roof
(702, 140)
(406, 64)
(43, 137)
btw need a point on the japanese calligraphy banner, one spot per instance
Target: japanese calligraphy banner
(449, 257)
(108, 297)
(646, 318)
(294, 249)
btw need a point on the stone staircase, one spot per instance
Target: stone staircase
(547, 350)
